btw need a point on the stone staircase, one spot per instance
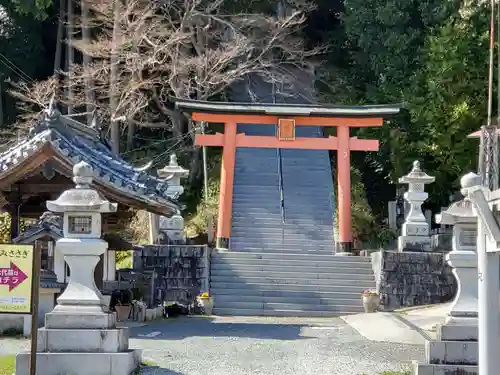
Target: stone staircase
(288, 284)
(285, 267)
(257, 223)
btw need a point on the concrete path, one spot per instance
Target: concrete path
(251, 346)
(408, 326)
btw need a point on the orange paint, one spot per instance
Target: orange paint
(257, 141)
(209, 140)
(226, 180)
(243, 140)
(354, 122)
(230, 141)
(344, 185)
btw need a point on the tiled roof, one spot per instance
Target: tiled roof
(73, 142)
(313, 110)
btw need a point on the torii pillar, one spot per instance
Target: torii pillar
(286, 118)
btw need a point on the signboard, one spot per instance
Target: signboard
(16, 278)
(286, 129)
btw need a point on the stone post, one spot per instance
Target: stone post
(172, 173)
(461, 320)
(79, 331)
(415, 232)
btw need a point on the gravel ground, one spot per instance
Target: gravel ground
(270, 346)
(251, 346)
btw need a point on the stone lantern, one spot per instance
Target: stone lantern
(172, 173)
(81, 244)
(172, 227)
(463, 260)
(415, 231)
(80, 331)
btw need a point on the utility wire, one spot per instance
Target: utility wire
(9, 64)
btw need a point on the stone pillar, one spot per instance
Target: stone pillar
(109, 266)
(456, 349)
(79, 331)
(59, 265)
(172, 173)
(461, 320)
(415, 232)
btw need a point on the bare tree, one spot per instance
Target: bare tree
(196, 49)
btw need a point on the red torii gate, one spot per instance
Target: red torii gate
(286, 117)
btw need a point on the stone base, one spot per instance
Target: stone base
(441, 242)
(344, 248)
(83, 340)
(124, 363)
(414, 243)
(425, 369)
(77, 320)
(222, 243)
(343, 254)
(452, 352)
(458, 329)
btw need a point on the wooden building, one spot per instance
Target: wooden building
(39, 168)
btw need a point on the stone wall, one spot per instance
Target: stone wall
(406, 279)
(183, 269)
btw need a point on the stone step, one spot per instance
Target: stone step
(286, 261)
(253, 211)
(271, 188)
(276, 312)
(244, 249)
(301, 264)
(309, 246)
(288, 306)
(355, 300)
(288, 168)
(291, 228)
(312, 288)
(265, 221)
(279, 239)
(288, 233)
(291, 295)
(331, 271)
(430, 369)
(280, 242)
(452, 352)
(283, 280)
(227, 274)
(291, 257)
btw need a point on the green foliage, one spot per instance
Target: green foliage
(430, 55)
(36, 8)
(7, 364)
(207, 209)
(21, 45)
(365, 227)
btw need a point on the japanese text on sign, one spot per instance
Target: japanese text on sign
(16, 269)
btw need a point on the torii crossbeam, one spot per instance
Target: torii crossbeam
(286, 117)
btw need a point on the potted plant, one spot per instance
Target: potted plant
(371, 301)
(122, 311)
(206, 302)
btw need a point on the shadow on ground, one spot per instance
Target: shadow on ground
(157, 370)
(184, 327)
